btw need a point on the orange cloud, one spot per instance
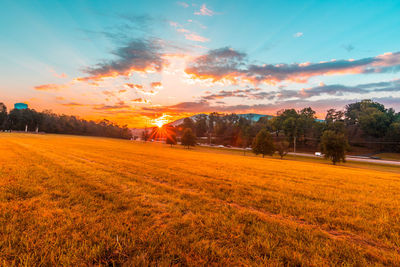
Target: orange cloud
(50, 87)
(156, 85)
(132, 85)
(55, 74)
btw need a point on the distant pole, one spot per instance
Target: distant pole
(294, 144)
(26, 128)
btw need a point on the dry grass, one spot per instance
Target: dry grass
(85, 201)
(389, 156)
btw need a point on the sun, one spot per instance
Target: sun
(160, 121)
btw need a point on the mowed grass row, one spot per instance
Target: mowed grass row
(81, 201)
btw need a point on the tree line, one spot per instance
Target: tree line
(46, 121)
(365, 124)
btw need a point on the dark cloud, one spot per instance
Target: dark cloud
(244, 93)
(217, 64)
(226, 63)
(285, 94)
(137, 55)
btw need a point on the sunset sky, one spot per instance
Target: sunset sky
(133, 62)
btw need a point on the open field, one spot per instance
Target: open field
(70, 200)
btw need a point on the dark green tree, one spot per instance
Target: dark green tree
(334, 146)
(263, 143)
(201, 125)
(3, 116)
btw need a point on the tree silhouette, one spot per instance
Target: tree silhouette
(171, 138)
(188, 138)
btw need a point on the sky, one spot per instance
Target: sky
(142, 62)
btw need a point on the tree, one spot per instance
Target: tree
(171, 138)
(188, 123)
(188, 138)
(201, 125)
(263, 143)
(334, 146)
(291, 129)
(282, 147)
(145, 135)
(3, 116)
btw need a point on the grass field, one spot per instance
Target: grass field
(68, 200)
(389, 156)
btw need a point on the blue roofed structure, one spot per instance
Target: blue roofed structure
(20, 106)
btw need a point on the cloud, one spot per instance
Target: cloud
(305, 93)
(298, 34)
(182, 30)
(196, 37)
(156, 85)
(348, 47)
(140, 100)
(189, 35)
(50, 87)
(137, 56)
(217, 64)
(204, 11)
(230, 65)
(58, 75)
(338, 89)
(133, 86)
(119, 105)
(73, 104)
(183, 4)
(241, 93)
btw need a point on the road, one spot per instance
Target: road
(353, 158)
(348, 158)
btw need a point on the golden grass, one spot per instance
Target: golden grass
(389, 156)
(67, 200)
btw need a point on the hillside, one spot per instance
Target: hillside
(69, 200)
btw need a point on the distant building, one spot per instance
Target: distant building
(20, 106)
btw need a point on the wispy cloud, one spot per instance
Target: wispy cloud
(119, 105)
(183, 4)
(204, 11)
(58, 75)
(196, 37)
(348, 47)
(73, 104)
(189, 35)
(50, 87)
(298, 34)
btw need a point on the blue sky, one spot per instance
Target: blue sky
(135, 61)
